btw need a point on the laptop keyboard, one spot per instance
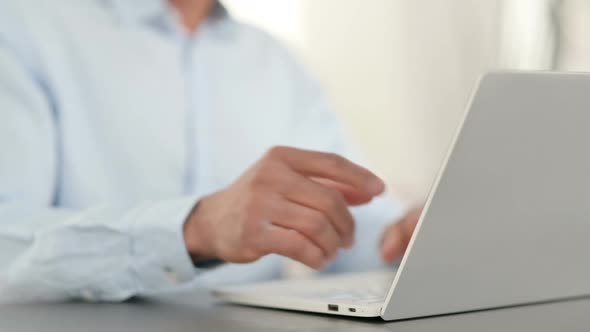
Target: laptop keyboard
(364, 295)
(360, 288)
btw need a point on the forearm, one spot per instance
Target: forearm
(105, 253)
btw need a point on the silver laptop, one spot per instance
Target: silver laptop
(507, 221)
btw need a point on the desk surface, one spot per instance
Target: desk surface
(197, 311)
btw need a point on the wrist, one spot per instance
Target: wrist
(197, 233)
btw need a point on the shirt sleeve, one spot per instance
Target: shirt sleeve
(316, 127)
(106, 253)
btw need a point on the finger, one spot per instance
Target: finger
(313, 224)
(394, 243)
(352, 196)
(328, 201)
(330, 166)
(410, 221)
(292, 244)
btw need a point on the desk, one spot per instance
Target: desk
(197, 311)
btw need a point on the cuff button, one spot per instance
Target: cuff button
(170, 275)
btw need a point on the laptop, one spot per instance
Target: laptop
(506, 223)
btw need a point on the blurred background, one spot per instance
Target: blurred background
(399, 73)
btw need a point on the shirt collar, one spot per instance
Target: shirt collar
(136, 11)
(143, 11)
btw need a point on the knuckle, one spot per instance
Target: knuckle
(351, 226)
(333, 200)
(275, 152)
(259, 178)
(300, 250)
(295, 247)
(292, 250)
(266, 174)
(333, 251)
(348, 226)
(314, 258)
(316, 224)
(335, 161)
(289, 184)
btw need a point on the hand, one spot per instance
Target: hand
(397, 236)
(291, 202)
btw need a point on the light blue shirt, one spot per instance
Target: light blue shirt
(114, 121)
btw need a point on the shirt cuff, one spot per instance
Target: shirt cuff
(160, 259)
(209, 264)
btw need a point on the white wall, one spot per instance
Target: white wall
(398, 72)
